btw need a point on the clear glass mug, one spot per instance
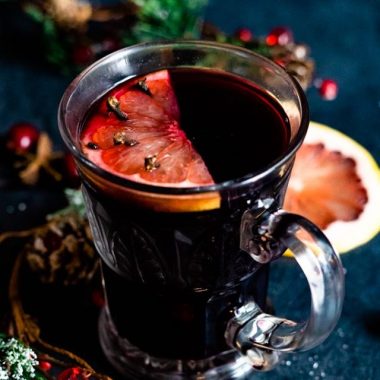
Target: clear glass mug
(186, 289)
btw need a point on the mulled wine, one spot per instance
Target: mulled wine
(237, 128)
(174, 276)
(185, 149)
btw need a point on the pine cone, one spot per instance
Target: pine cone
(294, 57)
(296, 60)
(63, 251)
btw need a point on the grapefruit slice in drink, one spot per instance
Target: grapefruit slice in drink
(136, 135)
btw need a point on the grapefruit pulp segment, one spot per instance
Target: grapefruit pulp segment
(135, 133)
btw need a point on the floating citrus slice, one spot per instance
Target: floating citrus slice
(136, 135)
(336, 184)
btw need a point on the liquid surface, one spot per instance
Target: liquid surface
(236, 128)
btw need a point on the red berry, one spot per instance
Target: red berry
(44, 366)
(82, 55)
(328, 89)
(22, 137)
(74, 373)
(244, 34)
(279, 36)
(280, 62)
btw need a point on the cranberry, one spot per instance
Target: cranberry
(328, 89)
(244, 34)
(279, 36)
(44, 366)
(280, 62)
(22, 137)
(74, 373)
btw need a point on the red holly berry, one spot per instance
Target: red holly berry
(244, 34)
(74, 373)
(82, 55)
(279, 36)
(328, 89)
(44, 366)
(22, 137)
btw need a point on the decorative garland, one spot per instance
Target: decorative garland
(76, 33)
(76, 251)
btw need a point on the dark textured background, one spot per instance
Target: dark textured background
(344, 37)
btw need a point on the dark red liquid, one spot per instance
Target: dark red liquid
(174, 279)
(236, 128)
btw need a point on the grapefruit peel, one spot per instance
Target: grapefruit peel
(347, 235)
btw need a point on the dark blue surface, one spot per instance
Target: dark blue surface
(344, 37)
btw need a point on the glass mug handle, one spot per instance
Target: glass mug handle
(262, 337)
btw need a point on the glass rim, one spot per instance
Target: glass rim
(234, 183)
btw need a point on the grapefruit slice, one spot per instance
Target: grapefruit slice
(135, 134)
(335, 183)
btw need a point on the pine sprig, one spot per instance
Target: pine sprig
(167, 19)
(57, 54)
(132, 22)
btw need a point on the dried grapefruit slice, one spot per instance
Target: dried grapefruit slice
(136, 135)
(336, 184)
